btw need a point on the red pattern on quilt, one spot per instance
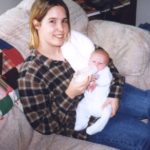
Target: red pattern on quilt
(14, 56)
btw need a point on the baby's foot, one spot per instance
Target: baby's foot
(92, 130)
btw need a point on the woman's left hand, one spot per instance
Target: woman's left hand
(114, 102)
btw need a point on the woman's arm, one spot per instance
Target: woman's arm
(46, 103)
(116, 89)
(44, 110)
(42, 93)
(117, 83)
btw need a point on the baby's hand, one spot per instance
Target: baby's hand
(92, 84)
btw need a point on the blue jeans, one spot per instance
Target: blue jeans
(126, 131)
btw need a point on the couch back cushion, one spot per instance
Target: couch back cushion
(79, 19)
(14, 29)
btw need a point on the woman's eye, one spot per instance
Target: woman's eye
(52, 21)
(65, 21)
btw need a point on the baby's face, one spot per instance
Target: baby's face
(97, 60)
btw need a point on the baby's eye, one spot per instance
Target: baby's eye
(100, 63)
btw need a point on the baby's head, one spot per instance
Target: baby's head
(99, 58)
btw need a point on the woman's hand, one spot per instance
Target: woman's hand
(77, 88)
(114, 102)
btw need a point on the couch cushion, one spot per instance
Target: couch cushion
(15, 131)
(79, 19)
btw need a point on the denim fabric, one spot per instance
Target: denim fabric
(126, 131)
(145, 26)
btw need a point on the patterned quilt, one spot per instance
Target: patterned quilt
(10, 59)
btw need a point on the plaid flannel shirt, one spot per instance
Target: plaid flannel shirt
(117, 82)
(42, 84)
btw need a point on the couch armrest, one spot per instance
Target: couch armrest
(129, 46)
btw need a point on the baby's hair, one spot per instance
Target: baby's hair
(98, 48)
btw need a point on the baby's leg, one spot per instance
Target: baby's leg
(82, 117)
(101, 122)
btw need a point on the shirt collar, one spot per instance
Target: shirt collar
(45, 60)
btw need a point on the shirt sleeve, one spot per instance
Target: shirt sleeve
(117, 83)
(45, 112)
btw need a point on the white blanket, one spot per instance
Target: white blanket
(77, 50)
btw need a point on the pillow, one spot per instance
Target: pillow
(10, 60)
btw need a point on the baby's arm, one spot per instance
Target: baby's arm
(104, 77)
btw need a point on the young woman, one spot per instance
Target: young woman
(50, 96)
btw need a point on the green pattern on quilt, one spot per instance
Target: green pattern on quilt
(5, 105)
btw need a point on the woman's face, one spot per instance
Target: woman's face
(54, 28)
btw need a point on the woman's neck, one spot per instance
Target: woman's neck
(54, 53)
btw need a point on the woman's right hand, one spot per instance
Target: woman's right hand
(77, 88)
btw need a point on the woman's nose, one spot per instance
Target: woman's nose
(60, 26)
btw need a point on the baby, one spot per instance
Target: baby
(92, 103)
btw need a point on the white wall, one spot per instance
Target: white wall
(7, 4)
(143, 12)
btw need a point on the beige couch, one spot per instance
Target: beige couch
(128, 46)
